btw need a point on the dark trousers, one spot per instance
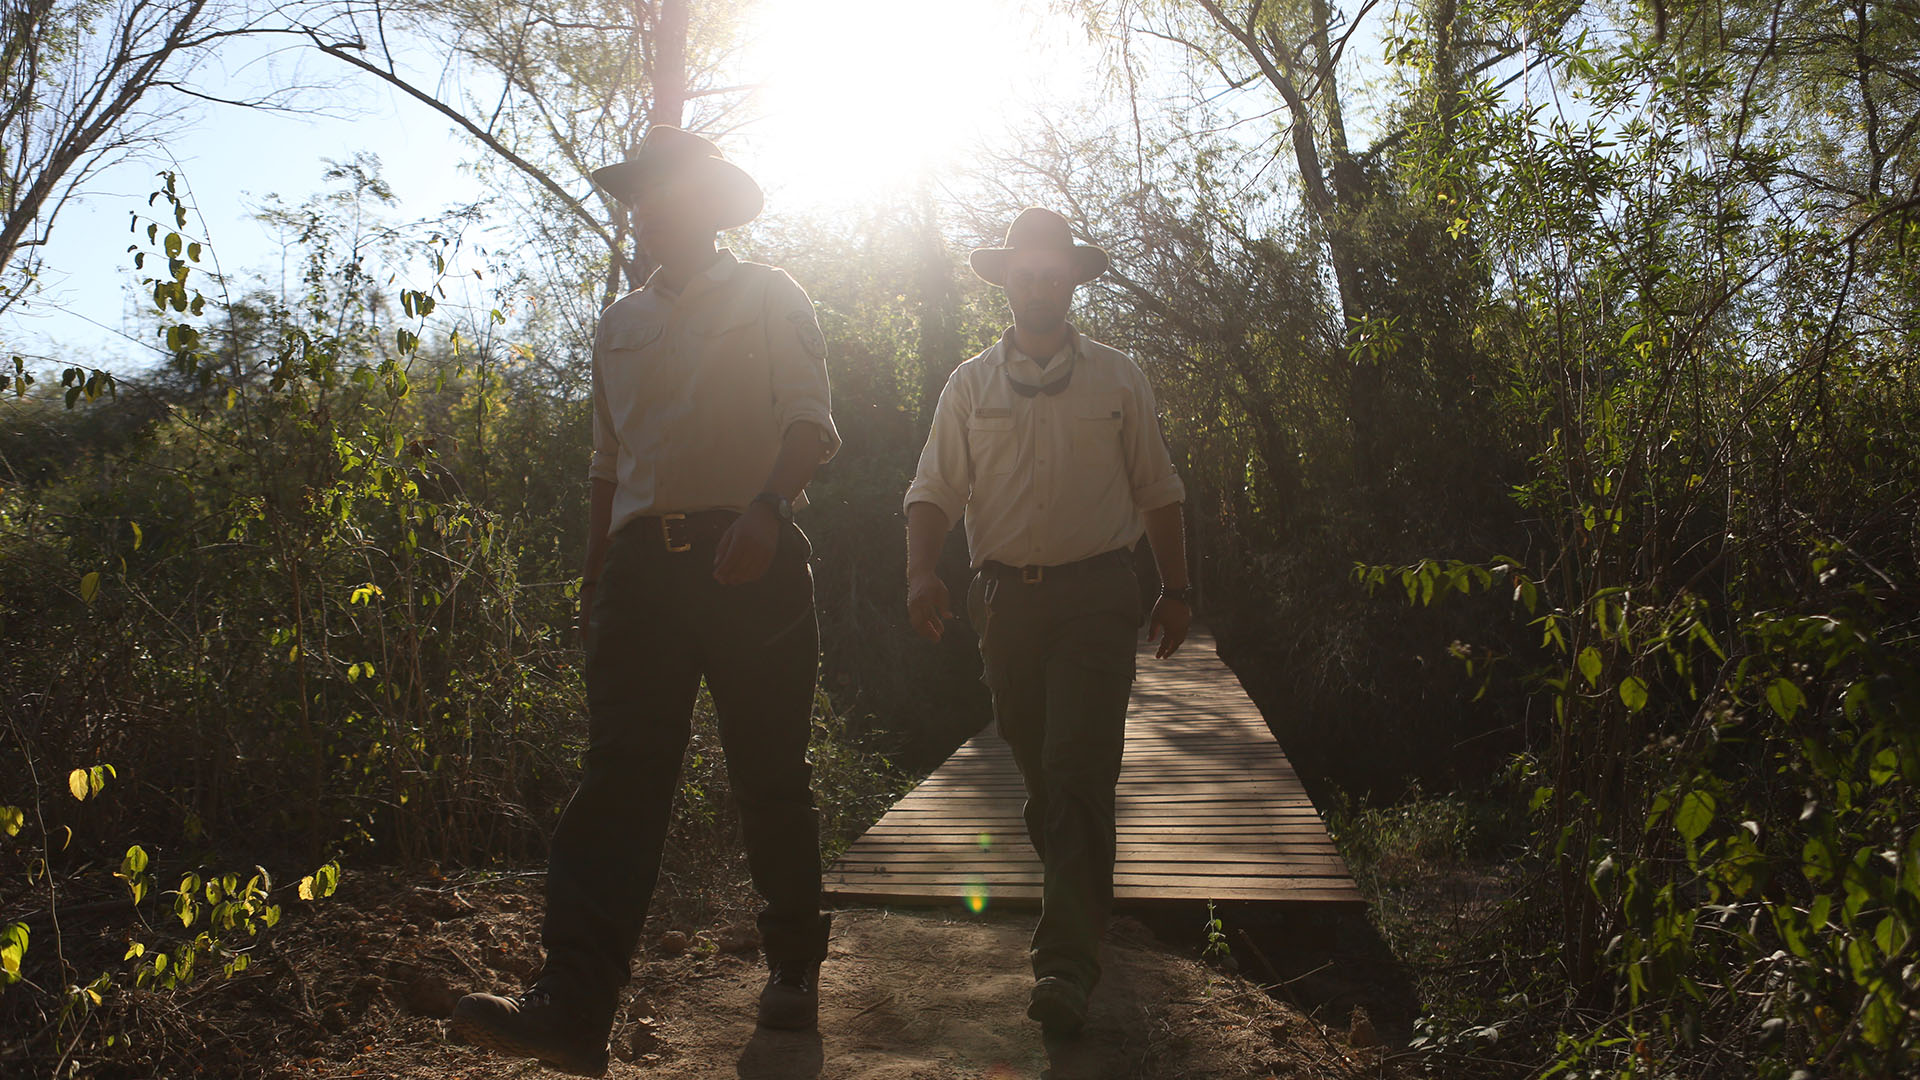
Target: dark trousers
(1059, 658)
(660, 623)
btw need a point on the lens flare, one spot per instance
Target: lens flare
(976, 895)
(985, 840)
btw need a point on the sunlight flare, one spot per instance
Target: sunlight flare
(867, 98)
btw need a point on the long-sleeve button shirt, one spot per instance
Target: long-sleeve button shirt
(693, 392)
(1046, 478)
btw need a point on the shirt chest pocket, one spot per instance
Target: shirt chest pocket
(634, 338)
(993, 446)
(635, 365)
(727, 337)
(1097, 420)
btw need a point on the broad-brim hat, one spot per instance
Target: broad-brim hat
(1039, 229)
(682, 166)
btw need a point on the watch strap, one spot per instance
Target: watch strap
(782, 506)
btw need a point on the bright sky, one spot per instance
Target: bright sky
(861, 97)
(230, 160)
(864, 96)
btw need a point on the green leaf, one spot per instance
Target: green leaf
(1890, 935)
(13, 949)
(1701, 634)
(1694, 815)
(1817, 914)
(1816, 861)
(1590, 665)
(1785, 698)
(89, 586)
(1633, 693)
(12, 819)
(1854, 699)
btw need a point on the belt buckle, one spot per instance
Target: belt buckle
(1031, 575)
(666, 532)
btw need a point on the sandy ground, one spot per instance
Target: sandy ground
(906, 995)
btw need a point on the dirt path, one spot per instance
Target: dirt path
(905, 996)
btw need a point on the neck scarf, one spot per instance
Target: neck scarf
(1028, 376)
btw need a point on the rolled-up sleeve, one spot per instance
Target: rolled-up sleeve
(945, 474)
(1149, 467)
(605, 464)
(798, 354)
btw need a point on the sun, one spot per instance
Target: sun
(864, 98)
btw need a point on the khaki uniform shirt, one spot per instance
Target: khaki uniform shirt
(1046, 478)
(693, 393)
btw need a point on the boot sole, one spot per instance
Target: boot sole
(477, 1033)
(1056, 1015)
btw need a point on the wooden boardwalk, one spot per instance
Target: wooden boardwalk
(1209, 809)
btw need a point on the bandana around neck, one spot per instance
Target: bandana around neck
(1026, 374)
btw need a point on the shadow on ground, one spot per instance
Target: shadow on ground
(1322, 959)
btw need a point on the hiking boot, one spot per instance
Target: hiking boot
(791, 1001)
(1059, 1004)
(530, 1024)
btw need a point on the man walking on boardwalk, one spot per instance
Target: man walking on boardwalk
(710, 414)
(1049, 443)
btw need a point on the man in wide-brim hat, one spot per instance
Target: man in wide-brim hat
(1049, 444)
(710, 414)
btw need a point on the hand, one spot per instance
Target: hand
(1169, 624)
(927, 606)
(746, 548)
(586, 615)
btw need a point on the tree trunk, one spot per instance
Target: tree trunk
(670, 65)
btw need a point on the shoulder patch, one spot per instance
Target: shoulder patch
(808, 331)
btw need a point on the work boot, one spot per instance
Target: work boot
(1059, 1004)
(791, 1001)
(563, 1035)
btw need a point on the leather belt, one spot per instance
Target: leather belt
(1034, 575)
(681, 532)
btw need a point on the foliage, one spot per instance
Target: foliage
(1704, 375)
(82, 1015)
(318, 604)
(1595, 357)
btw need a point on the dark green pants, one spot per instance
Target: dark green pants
(660, 623)
(1059, 659)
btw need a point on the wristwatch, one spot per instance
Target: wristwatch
(1184, 594)
(782, 506)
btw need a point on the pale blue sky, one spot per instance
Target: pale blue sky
(836, 75)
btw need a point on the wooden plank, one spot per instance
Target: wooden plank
(969, 830)
(1207, 805)
(1156, 784)
(1126, 844)
(959, 865)
(1166, 797)
(1029, 895)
